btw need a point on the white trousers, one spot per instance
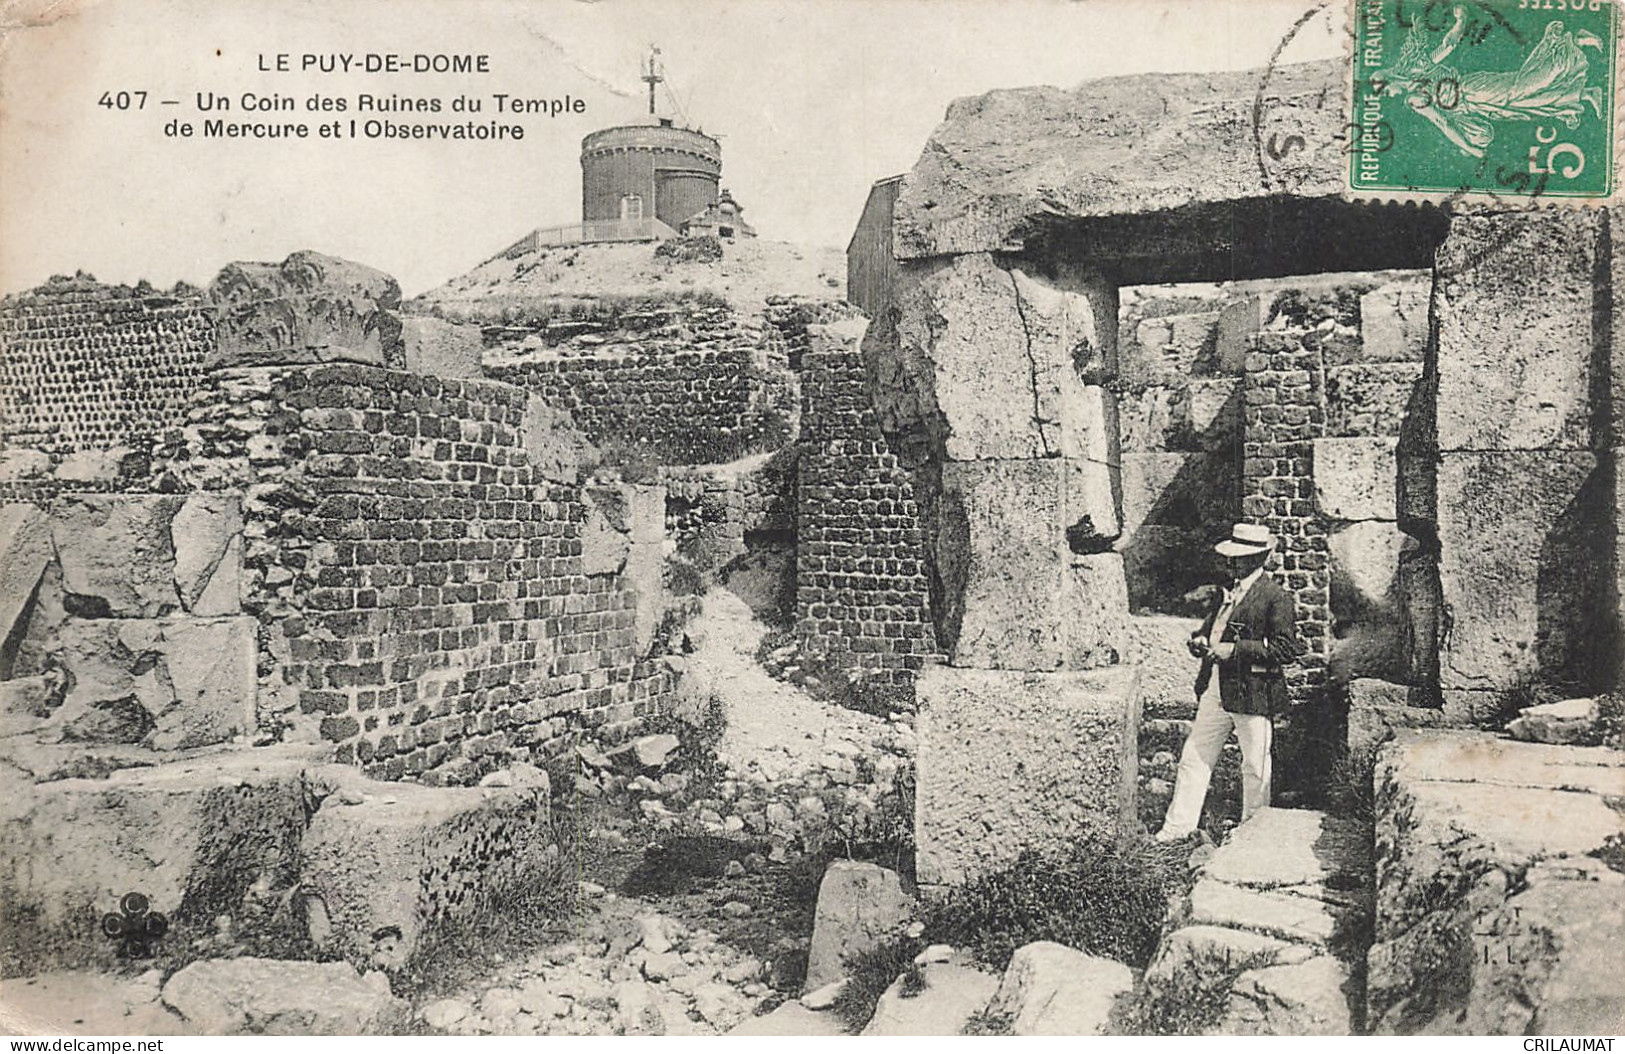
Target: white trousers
(1202, 747)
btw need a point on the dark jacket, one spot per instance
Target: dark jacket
(1263, 628)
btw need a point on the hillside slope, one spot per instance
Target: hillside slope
(749, 272)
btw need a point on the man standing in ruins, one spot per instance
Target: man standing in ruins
(1249, 635)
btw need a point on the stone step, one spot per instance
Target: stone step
(1274, 930)
(1510, 850)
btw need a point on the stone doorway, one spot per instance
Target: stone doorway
(1037, 431)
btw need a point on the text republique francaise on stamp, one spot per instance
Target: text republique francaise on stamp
(1511, 99)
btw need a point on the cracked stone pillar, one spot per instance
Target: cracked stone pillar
(1004, 371)
(1525, 510)
(1001, 368)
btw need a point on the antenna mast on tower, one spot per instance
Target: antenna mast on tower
(653, 76)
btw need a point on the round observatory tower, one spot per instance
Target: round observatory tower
(636, 171)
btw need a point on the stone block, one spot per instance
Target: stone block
(1394, 321)
(1517, 331)
(206, 536)
(1568, 721)
(18, 465)
(987, 361)
(1488, 887)
(606, 534)
(1005, 163)
(1297, 999)
(1090, 491)
(1355, 478)
(193, 836)
(1052, 990)
(169, 683)
(554, 446)
(437, 348)
(117, 554)
(1365, 566)
(1371, 399)
(93, 466)
(283, 997)
(1520, 566)
(1155, 418)
(860, 907)
(1293, 847)
(1200, 962)
(1170, 349)
(89, 1003)
(1215, 413)
(1004, 557)
(308, 308)
(1064, 349)
(1378, 709)
(953, 994)
(1156, 644)
(1010, 761)
(1369, 602)
(1239, 320)
(406, 865)
(25, 549)
(1095, 600)
(1190, 490)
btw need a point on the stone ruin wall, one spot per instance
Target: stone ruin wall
(338, 553)
(669, 383)
(89, 368)
(862, 600)
(452, 616)
(713, 517)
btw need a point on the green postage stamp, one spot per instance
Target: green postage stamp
(1484, 98)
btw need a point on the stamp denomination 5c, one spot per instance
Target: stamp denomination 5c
(1511, 99)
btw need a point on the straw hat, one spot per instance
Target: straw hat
(1246, 539)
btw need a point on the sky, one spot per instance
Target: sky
(813, 100)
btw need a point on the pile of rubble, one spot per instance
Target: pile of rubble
(856, 789)
(626, 970)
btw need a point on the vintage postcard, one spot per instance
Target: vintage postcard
(811, 518)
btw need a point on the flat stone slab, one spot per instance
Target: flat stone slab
(87, 1003)
(952, 994)
(1486, 758)
(1290, 916)
(1290, 847)
(1485, 845)
(282, 997)
(791, 1019)
(1302, 999)
(1266, 929)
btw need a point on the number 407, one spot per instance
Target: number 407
(123, 100)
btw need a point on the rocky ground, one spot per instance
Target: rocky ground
(693, 859)
(698, 877)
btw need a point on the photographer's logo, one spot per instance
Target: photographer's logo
(134, 926)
